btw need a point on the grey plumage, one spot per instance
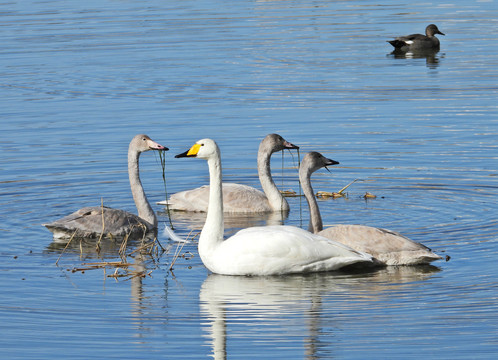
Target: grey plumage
(386, 246)
(91, 222)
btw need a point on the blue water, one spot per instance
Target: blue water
(80, 79)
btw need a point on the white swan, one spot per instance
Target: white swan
(386, 246)
(270, 250)
(87, 222)
(238, 198)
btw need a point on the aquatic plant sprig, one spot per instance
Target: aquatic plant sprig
(162, 157)
(290, 193)
(287, 192)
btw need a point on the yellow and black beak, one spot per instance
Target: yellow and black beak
(192, 152)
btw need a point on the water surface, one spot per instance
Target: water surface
(79, 80)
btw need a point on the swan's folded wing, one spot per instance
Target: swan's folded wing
(242, 198)
(190, 200)
(237, 198)
(388, 246)
(87, 223)
(282, 250)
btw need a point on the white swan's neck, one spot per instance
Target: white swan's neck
(275, 199)
(212, 232)
(315, 224)
(145, 211)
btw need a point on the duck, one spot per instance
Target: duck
(266, 250)
(418, 42)
(387, 247)
(93, 222)
(239, 198)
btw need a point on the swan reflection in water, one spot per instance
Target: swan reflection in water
(139, 267)
(274, 305)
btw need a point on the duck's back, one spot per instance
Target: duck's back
(415, 42)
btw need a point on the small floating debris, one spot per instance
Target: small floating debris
(326, 194)
(288, 193)
(369, 195)
(340, 193)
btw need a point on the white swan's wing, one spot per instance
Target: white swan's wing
(274, 250)
(387, 246)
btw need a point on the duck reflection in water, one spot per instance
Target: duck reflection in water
(431, 56)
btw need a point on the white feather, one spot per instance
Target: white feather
(170, 234)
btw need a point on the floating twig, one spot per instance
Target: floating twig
(340, 193)
(288, 193)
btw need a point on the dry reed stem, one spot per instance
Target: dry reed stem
(97, 247)
(123, 264)
(345, 187)
(117, 265)
(145, 247)
(103, 265)
(178, 250)
(122, 248)
(62, 253)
